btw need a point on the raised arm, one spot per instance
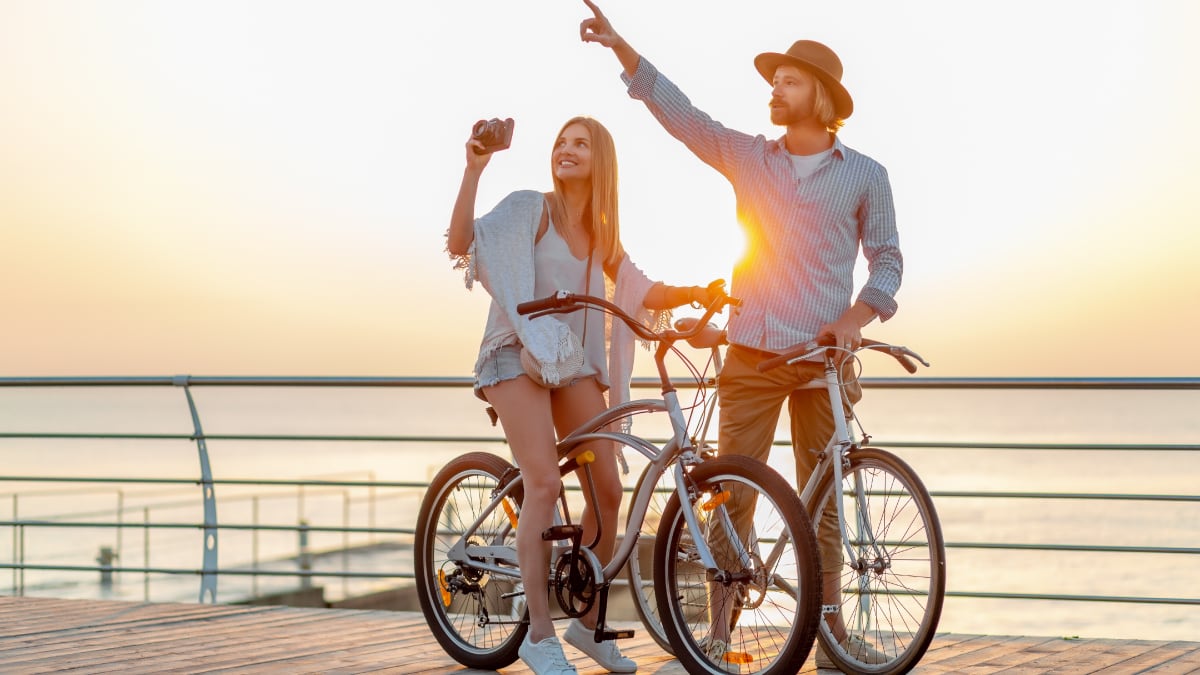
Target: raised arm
(715, 145)
(462, 218)
(599, 30)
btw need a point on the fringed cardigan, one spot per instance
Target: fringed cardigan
(501, 258)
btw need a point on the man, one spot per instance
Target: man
(807, 203)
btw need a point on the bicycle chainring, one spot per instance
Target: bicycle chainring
(574, 584)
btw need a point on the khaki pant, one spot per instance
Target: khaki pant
(750, 406)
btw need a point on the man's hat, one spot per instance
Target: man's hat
(818, 60)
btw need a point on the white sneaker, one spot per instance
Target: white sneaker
(545, 657)
(715, 650)
(606, 653)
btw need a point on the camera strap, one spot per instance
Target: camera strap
(587, 288)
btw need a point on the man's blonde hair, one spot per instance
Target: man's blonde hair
(823, 107)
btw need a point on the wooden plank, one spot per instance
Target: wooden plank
(978, 654)
(49, 635)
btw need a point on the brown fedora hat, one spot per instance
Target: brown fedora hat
(817, 59)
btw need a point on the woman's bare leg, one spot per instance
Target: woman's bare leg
(573, 406)
(524, 412)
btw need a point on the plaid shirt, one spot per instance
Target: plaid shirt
(803, 235)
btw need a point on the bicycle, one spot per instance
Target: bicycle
(468, 581)
(891, 586)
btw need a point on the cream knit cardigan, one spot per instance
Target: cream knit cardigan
(501, 258)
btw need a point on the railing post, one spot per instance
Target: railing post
(345, 538)
(371, 506)
(16, 570)
(254, 545)
(120, 522)
(146, 553)
(21, 593)
(304, 558)
(209, 567)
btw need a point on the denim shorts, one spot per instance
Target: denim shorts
(505, 364)
(502, 364)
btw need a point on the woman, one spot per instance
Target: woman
(531, 245)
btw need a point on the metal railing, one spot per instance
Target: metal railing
(366, 531)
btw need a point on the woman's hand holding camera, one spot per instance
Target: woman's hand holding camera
(477, 156)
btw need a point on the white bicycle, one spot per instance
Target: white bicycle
(892, 583)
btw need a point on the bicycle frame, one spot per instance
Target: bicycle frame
(833, 458)
(679, 451)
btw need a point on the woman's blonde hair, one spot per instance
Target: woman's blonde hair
(604, 219)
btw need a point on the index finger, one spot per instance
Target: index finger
(595, 10)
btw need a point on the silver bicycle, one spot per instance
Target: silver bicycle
(469, 583)
(891, 585)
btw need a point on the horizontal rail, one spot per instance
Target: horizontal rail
(20, 526)
(200, 526)
(1084, 598)
(227, 571)
(217, 481)
(1112, 383)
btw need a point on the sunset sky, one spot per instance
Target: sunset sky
(261, 188)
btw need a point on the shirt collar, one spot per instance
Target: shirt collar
(839, 150)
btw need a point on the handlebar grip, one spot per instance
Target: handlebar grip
(550, 302)
(776, 361)
(799, 350)
(893, 351)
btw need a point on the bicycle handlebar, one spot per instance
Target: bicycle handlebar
(899, 352)
(549, 302)
(562, 301)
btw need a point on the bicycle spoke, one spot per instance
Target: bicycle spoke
(891, 591)
(474, 614)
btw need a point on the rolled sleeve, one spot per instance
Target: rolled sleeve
(883, 304)
(641, 85)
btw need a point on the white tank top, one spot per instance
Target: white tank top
(555, 269)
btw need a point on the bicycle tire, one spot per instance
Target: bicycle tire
(641, 584)
(465, 609)
(778, 602)
(891, 612)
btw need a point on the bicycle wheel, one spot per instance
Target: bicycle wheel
(772, 575)
(639, 569)
(478, 617)
(891, 594)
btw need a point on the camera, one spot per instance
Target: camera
(495, 134)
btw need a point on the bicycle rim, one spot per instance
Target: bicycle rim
(890, 597)
(474, 615)
(770, 606)
(639, 569)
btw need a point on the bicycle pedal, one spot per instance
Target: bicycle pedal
(617, 634)
(559, 532)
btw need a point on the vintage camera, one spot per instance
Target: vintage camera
(495, 134)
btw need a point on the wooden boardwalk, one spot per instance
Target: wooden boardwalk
(41, 635)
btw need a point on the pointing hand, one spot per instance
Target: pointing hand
(597, 29)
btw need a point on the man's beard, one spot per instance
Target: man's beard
(786, 115)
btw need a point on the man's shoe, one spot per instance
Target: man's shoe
(858, 649)
(606, 653)
(545, 657)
